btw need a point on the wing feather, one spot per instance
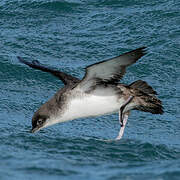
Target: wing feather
(111, 70)
(65, 78)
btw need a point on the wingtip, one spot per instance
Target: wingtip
(143, 47)
(140, 51)
(144, 50)
(24, 61)
(34, 62)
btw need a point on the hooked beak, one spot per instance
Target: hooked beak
(36, 129)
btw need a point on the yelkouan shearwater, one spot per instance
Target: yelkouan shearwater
(98, 93)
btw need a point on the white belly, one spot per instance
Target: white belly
(91, 105)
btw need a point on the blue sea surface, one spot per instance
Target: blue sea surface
(69, 35)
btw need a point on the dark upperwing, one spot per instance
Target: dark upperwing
(65, 78)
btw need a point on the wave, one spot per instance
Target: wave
(125, 150)
(50, 154)
(34, 4)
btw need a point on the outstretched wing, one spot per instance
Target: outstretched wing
(111, 70)
(65, 78)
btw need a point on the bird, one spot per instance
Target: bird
(98, 93)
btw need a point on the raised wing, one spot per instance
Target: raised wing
(111, 70)
(65, 78)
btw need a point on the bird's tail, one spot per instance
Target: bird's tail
(145, 98)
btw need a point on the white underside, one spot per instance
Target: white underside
(91, 106)
(87, 105)
(80, 105)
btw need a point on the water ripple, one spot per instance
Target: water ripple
(70, 35)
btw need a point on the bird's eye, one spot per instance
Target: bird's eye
(40, 122)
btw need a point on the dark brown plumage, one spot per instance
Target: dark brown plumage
(98, 93)
(145, 98)
(65, 78)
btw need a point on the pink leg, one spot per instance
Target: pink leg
(121, 131)
(123, 117)
(122, 109)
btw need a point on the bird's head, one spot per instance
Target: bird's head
(44, 116)
(39, 121)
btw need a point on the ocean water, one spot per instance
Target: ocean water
(69, 35)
